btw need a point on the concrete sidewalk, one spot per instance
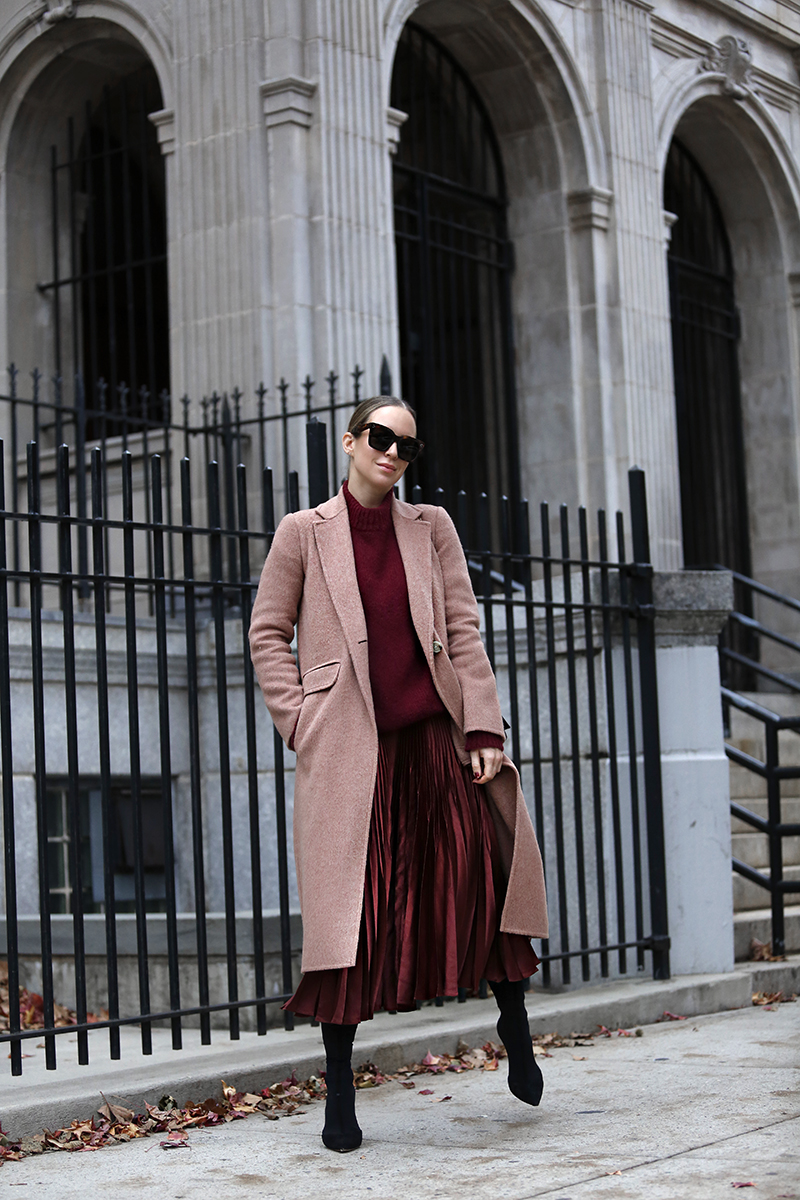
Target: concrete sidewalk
(51, 1099)
(681, 1113)
(43, 1099)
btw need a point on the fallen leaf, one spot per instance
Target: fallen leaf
(762, 952)
(765, 998)
(425, 1092)
(408, 1083)
(613, 1172)
(115, 1112)
(440, 1099)
(579, 1057)
(740, 1185)
(671, 1016)
(175, 1141)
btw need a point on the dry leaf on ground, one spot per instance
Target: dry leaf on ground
(762, 952)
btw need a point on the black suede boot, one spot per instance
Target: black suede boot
(341, 1130)
(524, 1077)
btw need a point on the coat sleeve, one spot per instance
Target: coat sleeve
(465, 645)
(272, 627)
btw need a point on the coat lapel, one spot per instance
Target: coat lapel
(335, 548)
(414, 540)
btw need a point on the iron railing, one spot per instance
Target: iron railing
(161, 695)
(745, 644)
(227, 428)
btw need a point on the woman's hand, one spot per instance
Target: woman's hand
(485, 763)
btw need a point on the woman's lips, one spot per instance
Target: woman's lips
(388, 468)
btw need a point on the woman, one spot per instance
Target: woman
(411, 834)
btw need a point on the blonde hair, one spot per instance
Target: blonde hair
(366, 408)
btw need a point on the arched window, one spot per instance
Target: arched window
(453, 266)
(705, 333)
(108, 285)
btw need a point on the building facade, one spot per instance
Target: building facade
(567, 230)
(572, 228)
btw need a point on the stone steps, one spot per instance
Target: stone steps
(753, 849)
(757, 923)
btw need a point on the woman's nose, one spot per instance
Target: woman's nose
(391, 451)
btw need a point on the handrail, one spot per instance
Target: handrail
(745, 704)
(775, 676)
(761, 588)
(757, 627)
(773, 878)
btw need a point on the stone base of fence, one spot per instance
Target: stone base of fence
(158, 965)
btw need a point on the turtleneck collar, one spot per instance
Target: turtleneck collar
(369, 520)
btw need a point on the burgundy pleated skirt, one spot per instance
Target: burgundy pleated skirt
(433, 890)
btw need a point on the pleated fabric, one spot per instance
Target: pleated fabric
(433, 890)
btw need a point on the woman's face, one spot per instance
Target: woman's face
(379, 470)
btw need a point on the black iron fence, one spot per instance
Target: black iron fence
(265, 432)
(757, 658)
(146, 798)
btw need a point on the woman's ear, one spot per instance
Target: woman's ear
(347, 442)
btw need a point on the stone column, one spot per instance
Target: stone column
(595, 450)
(219, 284)
(691, 608)
(352, 239)
(640, 333)
(288, 112)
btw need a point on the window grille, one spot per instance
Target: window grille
(705, 334)
(453, 267)
(109, 255)
(93, 849)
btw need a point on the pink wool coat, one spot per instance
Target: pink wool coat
(309, 581)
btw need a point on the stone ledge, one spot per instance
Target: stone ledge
(95, 934)
(691, 606)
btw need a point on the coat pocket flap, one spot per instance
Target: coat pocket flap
(320, 678)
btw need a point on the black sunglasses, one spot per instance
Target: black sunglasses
(381, 438)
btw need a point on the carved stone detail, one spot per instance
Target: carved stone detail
(670, 218)
(58, 12)
(590, 208)
(732, 58)
(395, 119)
(164, 121)
(288, 101)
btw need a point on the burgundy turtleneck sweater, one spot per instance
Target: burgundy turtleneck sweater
(403, 691)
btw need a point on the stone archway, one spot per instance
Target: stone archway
(558, 207)
(759, 207)
(69, 84)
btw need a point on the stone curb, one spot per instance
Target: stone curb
(389, 1041)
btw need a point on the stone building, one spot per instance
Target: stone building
(573, 229)
(570, 227)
